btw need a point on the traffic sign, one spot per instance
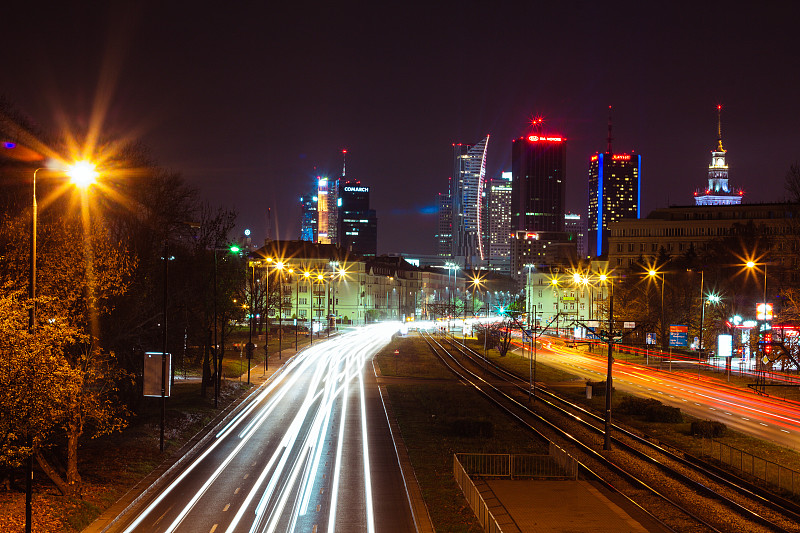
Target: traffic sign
(678, 336)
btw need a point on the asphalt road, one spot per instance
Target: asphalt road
(311, 452)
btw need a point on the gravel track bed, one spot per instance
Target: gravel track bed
(712, 510)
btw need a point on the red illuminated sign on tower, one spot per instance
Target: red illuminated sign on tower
(538, 138)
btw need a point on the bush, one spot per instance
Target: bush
(707, 428)
(632, 405)
(663, 413)
(470, 427)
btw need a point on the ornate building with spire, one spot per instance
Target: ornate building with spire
(718, 192)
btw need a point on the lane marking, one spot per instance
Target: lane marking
(213, 528)
(227, 506)
(237, 490)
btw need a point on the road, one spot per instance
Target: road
(702, 397)
(311, 451)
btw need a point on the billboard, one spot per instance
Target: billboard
(678, 336)
(152, 374)
(725, 345)
(764, 311)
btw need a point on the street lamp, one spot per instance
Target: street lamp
(279, 267)
(752, 266)
(607, 437)
(307, 275)
(82, 174)
(653, 274)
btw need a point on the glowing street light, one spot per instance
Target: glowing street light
(654, 274)
(83, 174)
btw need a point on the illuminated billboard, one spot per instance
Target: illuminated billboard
(760, 314)
(725, 345)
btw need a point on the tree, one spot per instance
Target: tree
(79, 273)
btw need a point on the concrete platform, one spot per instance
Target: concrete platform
(564, 506)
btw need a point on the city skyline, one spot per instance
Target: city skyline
(250, 105)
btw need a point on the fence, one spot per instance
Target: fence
(556, 465)
(476, 501)
(770, 473)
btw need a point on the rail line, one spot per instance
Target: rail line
(672, 490)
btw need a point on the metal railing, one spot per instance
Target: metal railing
(556, 465)
(767, 471)
(476, 502)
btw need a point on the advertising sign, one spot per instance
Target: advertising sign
(629, 325)
(650, 338)
(725, 345)
(678, 336)
(760, 311)
(152, 374)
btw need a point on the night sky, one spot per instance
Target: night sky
(250, 101)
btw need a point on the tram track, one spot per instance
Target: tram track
(671, 489)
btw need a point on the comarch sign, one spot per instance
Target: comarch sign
(356, 189)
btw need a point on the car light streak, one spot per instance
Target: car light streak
(338, 465)
(365, 455)
(295, 466)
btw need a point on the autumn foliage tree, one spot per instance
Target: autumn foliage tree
(60, 383)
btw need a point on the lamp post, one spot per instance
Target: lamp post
(607, 437)
(653, 274)
(307, 275)
(296, 277)
(249, 349)
(279, 267)
(320, 281)
(751, 265)
(82, 174)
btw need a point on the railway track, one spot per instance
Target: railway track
(673, 489)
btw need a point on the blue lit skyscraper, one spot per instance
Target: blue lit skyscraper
(614, 194)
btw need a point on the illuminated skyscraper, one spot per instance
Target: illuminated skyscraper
(466, 194)
(718, 191)
(444, 233)
(358, 224)
(614, 193)
(573, 223)
(323, 211)
(538, 168)
(498, 220)
(308, 217)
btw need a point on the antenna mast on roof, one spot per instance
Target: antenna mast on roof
(610, 138)
(719, 129)
(344, 162)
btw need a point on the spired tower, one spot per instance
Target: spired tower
(718, 192)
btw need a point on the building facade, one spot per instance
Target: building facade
(614, 194)
(538, 173)
(575, 224)
(467, 200)
(498, 223)
(351, 289)
(308, 217)
(444, 233)
(676, 230)
(358, 224)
